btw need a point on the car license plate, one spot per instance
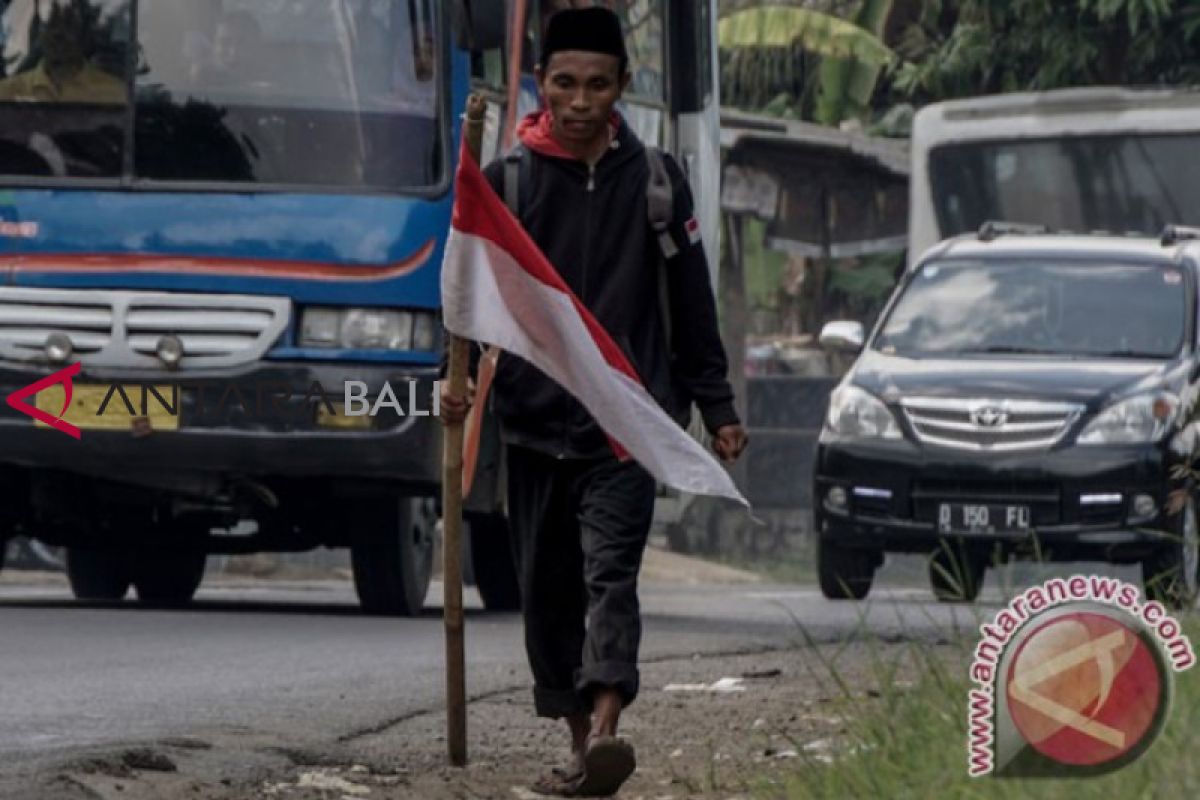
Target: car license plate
(92, 407)
(980, 519)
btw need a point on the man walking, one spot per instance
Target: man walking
(580, 517)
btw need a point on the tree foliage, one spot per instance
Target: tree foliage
(771, 51)
(797, 58)
(960, 48)
(846, 85)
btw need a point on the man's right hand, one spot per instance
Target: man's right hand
(455, 409)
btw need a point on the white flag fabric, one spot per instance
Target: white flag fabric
(498, 287)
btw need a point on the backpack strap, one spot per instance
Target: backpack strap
(660, 211)
(660, 202)
(512, 179)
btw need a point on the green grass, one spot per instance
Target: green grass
(905, 741)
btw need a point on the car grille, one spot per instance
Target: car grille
(989, 425)
(123, 328)
(1042, 497)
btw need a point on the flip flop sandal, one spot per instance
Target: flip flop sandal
(607, 763)
(558, 782)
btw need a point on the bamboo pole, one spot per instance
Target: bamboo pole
(452, 505)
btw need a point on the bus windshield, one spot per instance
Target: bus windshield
(1117, 183)
(257, 93)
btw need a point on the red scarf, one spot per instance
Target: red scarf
(536, 131)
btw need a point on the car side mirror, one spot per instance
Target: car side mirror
(478, 24)
(844, 336)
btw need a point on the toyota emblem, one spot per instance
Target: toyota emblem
(989, 416)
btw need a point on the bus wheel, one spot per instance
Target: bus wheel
(168, 578)
(391, 553)
(494, 563)
(98, 574)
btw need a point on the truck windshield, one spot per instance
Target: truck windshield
(1085, 183)
(1096, 309)
(258, 93)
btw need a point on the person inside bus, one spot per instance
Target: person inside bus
(65, 73)
(580, 516)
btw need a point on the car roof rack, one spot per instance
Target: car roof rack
(994, 229)
(1174, 234)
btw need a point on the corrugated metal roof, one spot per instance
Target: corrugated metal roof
(740, 129)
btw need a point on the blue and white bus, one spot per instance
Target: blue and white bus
(223, 211)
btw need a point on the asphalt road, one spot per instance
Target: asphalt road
(295, 662)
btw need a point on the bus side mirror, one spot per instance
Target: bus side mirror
(478, 24)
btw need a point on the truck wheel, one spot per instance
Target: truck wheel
(493, 562)
(844, 573)
(168, 578)
(955, 573)
(391, 553)
(98, 574)
(1171, 574)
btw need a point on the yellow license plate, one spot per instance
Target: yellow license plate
(340, 419)
(114, 407)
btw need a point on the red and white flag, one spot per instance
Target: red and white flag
(498, 287)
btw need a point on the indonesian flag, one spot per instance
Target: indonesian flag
(498, 287)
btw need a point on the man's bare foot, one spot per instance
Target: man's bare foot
(562, 781)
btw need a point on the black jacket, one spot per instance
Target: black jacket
(594, 230)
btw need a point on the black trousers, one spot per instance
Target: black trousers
(579, 528)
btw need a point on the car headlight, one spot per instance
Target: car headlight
(368, 329)
(1142, 418)
(857, 414)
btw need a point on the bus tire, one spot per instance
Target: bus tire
(168, 578)
(98, 574)
(391, 554)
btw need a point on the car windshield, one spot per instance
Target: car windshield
(277, 93)
(1092, 309)
(1081, 183)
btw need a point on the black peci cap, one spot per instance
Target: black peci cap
(593, 30)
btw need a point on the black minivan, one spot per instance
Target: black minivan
(1022, 395)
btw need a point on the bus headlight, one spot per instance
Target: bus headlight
(368, 329)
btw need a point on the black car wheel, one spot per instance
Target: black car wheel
(956, 573)
(391, 553)
(844, 573)
(168, 578)
(493, 562)
(98, 574)
(1171, 575)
